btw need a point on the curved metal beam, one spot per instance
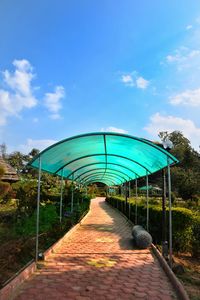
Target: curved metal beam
(101, 169)
(101, 181)
(102, 154)
(111, 178)
(103, 173)
(111, 182)
(100, 163)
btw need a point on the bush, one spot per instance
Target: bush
(196, 237)
(186, 226)
(48, 218)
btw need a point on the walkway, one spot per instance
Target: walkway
(98, 262)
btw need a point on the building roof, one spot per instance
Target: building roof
(10, 174)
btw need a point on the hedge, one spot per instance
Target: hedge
(185, 224)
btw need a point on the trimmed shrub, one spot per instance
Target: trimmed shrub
(185, 225)
(196, 237)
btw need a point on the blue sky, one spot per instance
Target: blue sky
(71, 67)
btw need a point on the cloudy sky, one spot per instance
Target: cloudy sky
(71, 67)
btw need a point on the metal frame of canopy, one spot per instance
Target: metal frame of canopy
(107, 157)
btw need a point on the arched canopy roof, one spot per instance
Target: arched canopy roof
(107, 157)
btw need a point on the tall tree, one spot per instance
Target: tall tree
(186, 174)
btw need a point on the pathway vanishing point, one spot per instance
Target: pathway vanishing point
(98, 261)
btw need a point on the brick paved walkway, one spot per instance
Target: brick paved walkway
(98, 262)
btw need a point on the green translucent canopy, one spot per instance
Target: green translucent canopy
(106, 157)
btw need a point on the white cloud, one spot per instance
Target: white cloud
(127, 79)
(188, 27)
(113, 129)
(159, 123)
(184, 57)
(38, 144)
(133, 79)
(187, 98)
(17, 93)
(142, 83)
(53, 101)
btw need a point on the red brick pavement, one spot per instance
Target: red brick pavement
(98, 261)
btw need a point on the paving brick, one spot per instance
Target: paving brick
(97, 261)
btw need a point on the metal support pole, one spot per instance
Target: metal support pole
(164, 232)
(61, 196)
(170, 212)
(38, 210)
(136, 196)
(129, 204)
(126, 198)
(72, 196)
(147, 198)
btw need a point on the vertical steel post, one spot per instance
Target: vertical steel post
(72, 196)
(147, 198)
(164, 232)
(136, 196)
(117, 202)
(126, 198)
(38, 209)
(129, 204)
(170, 212)
(61, 195)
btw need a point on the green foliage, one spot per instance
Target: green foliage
(26, 193)
(186, 175)
(17, 160)
(196, 237)
(186, 225)
(48, 217)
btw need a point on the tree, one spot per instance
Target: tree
(17, 160)
(33, 153)
(186, 174)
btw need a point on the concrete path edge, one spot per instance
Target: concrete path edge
(57, 244)
(172, 277)
(15, 281)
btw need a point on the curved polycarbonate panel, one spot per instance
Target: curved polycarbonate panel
(101, 178)
(100, 173)
(102, 170)
(126, 157)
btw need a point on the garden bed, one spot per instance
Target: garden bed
(18, 240)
